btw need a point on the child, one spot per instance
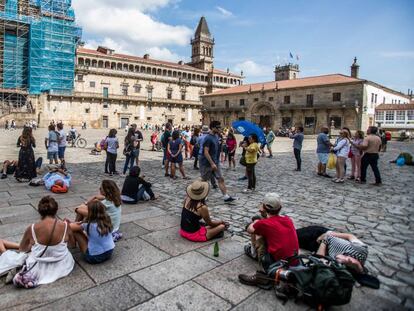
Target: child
(131, 190)
(94, 235)
(111, 146)
(174, 149)
(110, 197)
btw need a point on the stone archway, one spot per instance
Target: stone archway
(263, 114)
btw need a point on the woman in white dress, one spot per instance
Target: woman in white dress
(47, 240)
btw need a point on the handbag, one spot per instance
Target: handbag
(25, 278)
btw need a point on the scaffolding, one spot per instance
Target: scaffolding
(38, 40)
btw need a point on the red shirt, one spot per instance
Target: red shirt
(280, 236)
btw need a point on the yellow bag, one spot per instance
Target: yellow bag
(331, 161)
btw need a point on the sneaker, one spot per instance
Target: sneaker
(258, 279)
(229, 199)
(243, 178)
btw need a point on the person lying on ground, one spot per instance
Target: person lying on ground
(47, 240)
(273, 238)
(135, 188)
(57, 180)
(194, 210)
(9, 167)
(93, 236)
(110, 196)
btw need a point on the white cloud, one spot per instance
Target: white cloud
(253, 69)
(398, 54)
(127, 26)
(224, 12)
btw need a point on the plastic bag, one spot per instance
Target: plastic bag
(331, 161)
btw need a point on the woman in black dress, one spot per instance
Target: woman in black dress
(26, 167)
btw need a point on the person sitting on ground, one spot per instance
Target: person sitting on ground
(9, 167)
(195, 209)
(273, 238)
(345, 248)
(135, 188)
(6, 245)
(408, 158)
(93, 236)
(110, 196)
(57, 180)
(47, 240)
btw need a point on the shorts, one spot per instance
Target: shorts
(323, 157)
(61, 152)
(52, 155)
(95, 259)
(198, 236)
(11, 169)
(207, 172)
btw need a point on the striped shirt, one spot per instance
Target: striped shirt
(355, 249)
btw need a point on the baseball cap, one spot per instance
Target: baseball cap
(272, 201)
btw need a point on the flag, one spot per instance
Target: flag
(297, 57)
(290, 54)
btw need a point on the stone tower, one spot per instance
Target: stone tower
(286, 72)
(355, 69)
(202, 47)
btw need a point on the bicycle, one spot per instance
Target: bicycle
(77, 141)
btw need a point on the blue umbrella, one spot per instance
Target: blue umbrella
(247, 128)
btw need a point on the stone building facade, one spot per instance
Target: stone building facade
(335, 100)
(112, 90)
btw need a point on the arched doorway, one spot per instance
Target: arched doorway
(263, 114)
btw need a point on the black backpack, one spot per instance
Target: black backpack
(318, 280)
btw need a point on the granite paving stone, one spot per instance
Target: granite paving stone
(173, 272)
(224, 282)
(118, 294)
(129, 255)
(187, 297)
(170, 241)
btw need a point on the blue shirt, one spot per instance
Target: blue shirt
(297, 140)
(212, 142)
(323, 143)
(98, 244)
(114, 213)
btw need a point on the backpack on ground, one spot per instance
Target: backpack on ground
(319, 281)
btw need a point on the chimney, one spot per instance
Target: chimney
(355, 69)
(146, 56)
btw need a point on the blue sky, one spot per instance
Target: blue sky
(256, 35)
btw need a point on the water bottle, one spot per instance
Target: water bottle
(216, 250)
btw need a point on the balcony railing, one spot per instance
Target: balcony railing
(135, 98)
(316, 105)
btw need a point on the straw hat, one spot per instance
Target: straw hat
(198, 190)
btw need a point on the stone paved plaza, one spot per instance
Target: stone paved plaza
(154, 269)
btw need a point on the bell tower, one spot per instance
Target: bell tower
(202, 47)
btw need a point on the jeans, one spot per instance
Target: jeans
(251, 175)
(130, 160)
(298, 159)
(370, 159)
(111, 159)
